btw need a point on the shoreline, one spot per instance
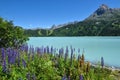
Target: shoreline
(113, 68)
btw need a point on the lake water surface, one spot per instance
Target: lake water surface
(94, 47)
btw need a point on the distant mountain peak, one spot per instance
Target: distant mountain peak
(102, 9)
(104, 6)
(104, 13)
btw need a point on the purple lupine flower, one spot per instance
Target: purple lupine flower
(44, 50)
(33, 50)
(48, 49)
(66, 53)
(14, 56)
(102, 62)
(64, 77)
(81, 77)
(41, 51)
(24, 63)
(8, 52)
(28, 76)
(9, 57)
(22, 48)
(4, 68)
(66, 56)
(51, 49)
(79, 57)
(72, 52)
(26, 48)
(61, 52)
(71, 57)
(38, 50)
(3, 53)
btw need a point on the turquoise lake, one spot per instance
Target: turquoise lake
(94, 47)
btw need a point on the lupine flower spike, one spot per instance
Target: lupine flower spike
(71, 57)
(102, 62)
(81, 77)
(4, 66)
(64, 77)
(3, 54)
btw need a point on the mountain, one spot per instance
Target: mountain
(62, 25)
(104, 13)
(104, 21)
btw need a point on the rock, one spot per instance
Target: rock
(104, 13)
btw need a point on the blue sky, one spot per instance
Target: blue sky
(45, 13)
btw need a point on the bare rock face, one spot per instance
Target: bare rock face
(103, 6)
(102, 9)
(104, 13)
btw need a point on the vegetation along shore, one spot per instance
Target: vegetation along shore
(48, 63)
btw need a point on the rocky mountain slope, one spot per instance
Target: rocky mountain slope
(104, 21)
(104, 13)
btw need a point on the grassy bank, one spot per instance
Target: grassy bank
(48, 63)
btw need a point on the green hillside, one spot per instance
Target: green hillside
(104, 21)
